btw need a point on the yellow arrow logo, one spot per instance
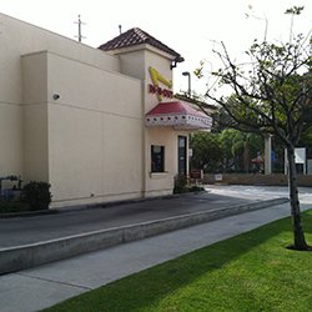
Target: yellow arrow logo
(157, 78)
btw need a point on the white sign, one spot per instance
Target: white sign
(218, 177)
(300, 158)
(300, 155)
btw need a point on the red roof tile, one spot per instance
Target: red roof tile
(178, 114)
(176, 107)
(136, 36)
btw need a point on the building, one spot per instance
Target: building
(97, 124)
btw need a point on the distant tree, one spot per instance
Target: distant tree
(227, 138)
(230, 140)
(239, 148)
(272, 95)
(207, 152)
(306, 137)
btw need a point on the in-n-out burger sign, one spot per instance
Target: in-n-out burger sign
(156, 89)
(160, 92)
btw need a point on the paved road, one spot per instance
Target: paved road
(38, 288)
(21, 231)
(25, 230)
(258, 192)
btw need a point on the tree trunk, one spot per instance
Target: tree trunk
(246, 157)
(299, 238)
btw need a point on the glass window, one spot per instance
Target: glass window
(158, 158)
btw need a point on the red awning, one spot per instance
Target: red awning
(180, 115)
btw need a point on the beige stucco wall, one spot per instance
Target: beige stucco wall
(18, 38)
(96, 125)
(91, 144)
(35, 118)
(87, 144)
(93, 131)
(160, 183)
(135, 62)
(11, 129)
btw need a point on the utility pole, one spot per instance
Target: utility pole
(79, 23)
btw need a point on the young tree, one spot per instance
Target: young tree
(271, 96)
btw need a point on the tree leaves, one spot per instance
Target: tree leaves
(272, 92)
(295, 10)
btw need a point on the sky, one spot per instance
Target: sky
(192, 28)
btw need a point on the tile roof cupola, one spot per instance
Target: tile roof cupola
(135, 37)
(146, 58)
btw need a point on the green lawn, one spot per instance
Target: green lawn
(250, 272)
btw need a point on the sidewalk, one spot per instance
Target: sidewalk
(37, 288)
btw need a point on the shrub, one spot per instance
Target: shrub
(196, 188)
(180, 184)
(37, 195)
(7, 206)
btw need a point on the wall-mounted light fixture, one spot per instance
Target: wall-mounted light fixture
(178, 59)
(56, 96)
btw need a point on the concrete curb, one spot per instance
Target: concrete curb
(17, 258)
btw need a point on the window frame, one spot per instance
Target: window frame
(160, 167)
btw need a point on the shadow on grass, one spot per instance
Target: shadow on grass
(143, 290)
